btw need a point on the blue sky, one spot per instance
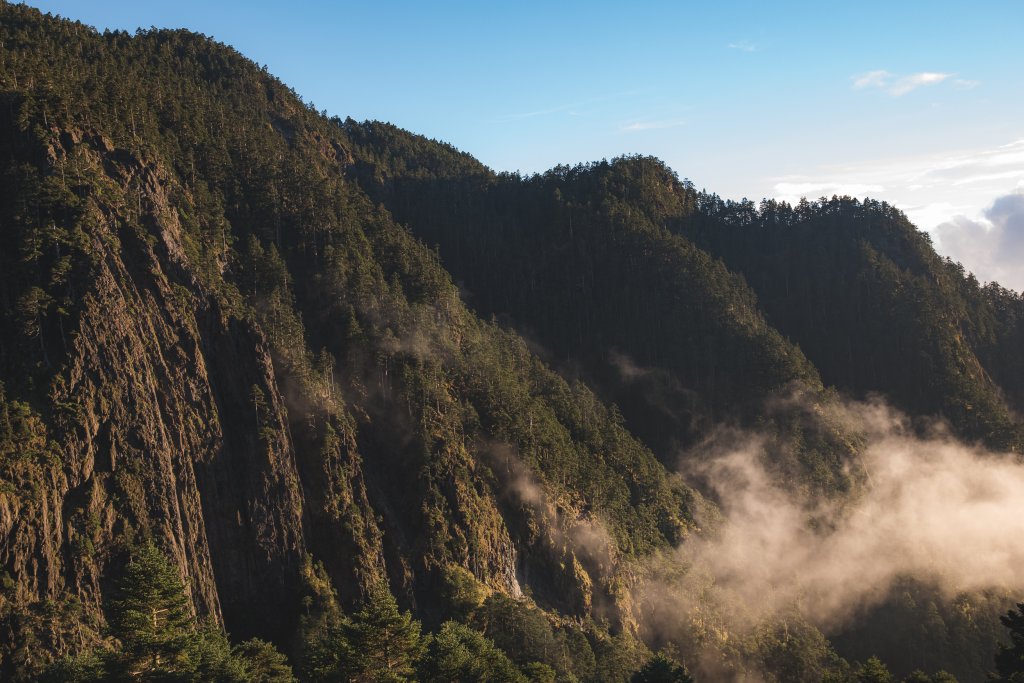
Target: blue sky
(917, 103)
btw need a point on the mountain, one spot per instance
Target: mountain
(839, 291)
(334, 373)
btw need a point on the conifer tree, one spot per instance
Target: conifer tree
(874, 671)
(460, 653)
(152, 616)
(662, 669)
(385, 643)
(160, 639)
(1010, 658)
(262, 663)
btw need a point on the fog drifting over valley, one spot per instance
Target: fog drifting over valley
(931, 507)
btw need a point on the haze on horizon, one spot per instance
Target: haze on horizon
(918, 104)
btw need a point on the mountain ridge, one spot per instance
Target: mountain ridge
(224, 332)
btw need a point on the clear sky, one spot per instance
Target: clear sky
(917, 103)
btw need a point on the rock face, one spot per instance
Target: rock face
(214, 334)
(156, 382)
(211, 338)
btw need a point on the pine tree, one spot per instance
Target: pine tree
(874, 671)
(262, 663)
(1010, 658)
(459, 653)
(385, 643)
(152, 616)
(662, 669)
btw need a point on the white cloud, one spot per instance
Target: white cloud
(932, 189)
(991, 246)
(929, 215)
(826, 189)
(653, 125)
(905, 85)
(543, 112)
(899, 85)
(743, 46)
(1016, 173)
(876, 79)
(966, 84)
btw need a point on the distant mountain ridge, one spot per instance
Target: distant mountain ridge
(309, 357)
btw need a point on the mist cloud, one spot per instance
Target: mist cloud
(948, 514)
(564, 528)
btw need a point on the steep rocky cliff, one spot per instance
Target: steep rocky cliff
(212, 339)
(146, 375)
(227, 326)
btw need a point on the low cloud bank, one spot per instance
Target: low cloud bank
(932, 508)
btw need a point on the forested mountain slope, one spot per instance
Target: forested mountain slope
(581, 259)
(876, 308)
(322, 371)
(212, 339)
(738, 300)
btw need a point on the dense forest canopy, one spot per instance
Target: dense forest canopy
(285, 396)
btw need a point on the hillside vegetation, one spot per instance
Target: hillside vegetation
(284, 395)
